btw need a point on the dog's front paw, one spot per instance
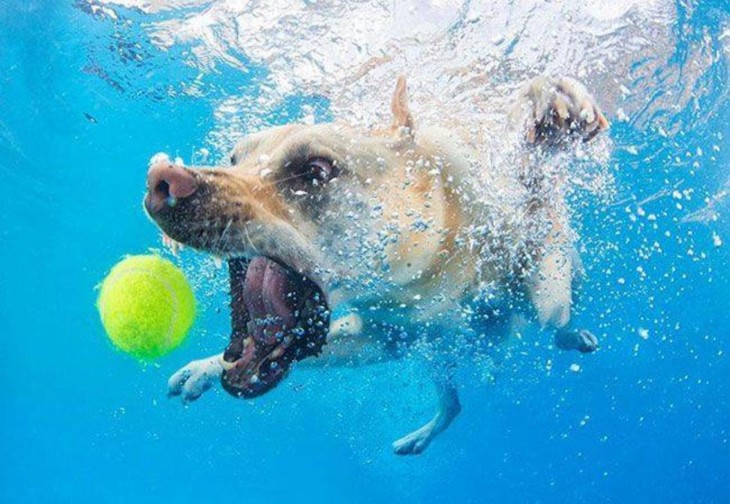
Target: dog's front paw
(582, 340)
(195, 378)
(559, 109)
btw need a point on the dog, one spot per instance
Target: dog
(387, 229)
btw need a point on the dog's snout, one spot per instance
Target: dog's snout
(168, 183)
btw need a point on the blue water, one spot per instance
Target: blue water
(647, 418)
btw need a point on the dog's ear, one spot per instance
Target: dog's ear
(402, 118)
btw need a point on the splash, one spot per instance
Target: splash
(658, 71)
(463, 56)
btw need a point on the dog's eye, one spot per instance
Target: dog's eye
(320, 170)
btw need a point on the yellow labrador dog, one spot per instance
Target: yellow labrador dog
(389, 230)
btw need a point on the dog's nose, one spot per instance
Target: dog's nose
(166, 184)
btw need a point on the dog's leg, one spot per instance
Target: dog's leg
(196, 377)
(449, 408)
(554, 111)
(570, 338)
(349, 345)
(550, 286)
(551, 292)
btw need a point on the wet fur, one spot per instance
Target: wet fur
(417, 280)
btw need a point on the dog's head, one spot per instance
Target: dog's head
(303, 214)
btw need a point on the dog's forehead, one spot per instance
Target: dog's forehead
(280, 137)
(262, 140)
(283, 141)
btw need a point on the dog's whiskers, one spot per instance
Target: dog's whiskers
(223, 235)
(250, 241)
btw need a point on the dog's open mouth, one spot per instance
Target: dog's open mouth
(278, 316)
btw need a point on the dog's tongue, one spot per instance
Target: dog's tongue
(270, 294)
(278, 316)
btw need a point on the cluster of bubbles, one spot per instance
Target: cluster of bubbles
(654, 71)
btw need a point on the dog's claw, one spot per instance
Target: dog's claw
(176, 382)
(561, 108)
(582, 340)
(588, 342)
(412, 444)
(417, 441)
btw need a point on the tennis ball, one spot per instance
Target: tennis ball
(146, 306)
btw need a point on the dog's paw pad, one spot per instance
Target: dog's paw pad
(587, 342)
(562, 108)
(193, 380)
(584, 341)
(412, 444)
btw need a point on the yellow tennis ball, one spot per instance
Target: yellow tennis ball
(146, 306)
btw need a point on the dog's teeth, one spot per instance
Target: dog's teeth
(171, 244)
(218, 262)
(227, 366)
